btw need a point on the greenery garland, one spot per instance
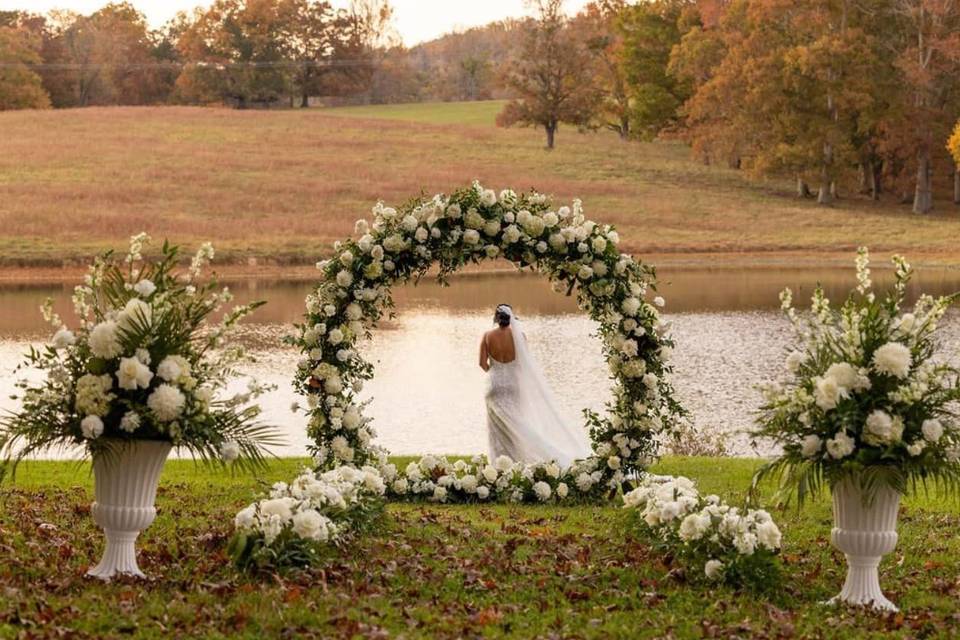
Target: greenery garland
(469, 226)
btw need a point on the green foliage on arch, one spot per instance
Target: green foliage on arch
(446, 232)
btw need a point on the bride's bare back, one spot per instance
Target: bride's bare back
(498, 345)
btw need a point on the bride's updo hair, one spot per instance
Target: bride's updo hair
(502, 315)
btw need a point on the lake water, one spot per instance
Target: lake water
(427, 395)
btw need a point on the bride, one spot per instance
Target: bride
(522, 415)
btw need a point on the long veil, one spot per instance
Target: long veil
(538, 404)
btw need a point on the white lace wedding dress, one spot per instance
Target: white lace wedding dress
(522, 415)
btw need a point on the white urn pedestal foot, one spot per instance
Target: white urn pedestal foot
(864, 533)
(126, 490)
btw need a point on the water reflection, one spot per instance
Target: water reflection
(428, 391)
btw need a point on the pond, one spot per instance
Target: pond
(427, 395)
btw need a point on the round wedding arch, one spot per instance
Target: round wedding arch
(473, 224)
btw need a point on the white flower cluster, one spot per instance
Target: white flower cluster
(116, 375)
(703, 528)
(436, 479)
(867, 385)
(470, 225)
(314, 508)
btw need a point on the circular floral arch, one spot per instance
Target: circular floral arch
(469, 226)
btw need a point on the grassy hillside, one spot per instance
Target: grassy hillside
(281, 185)
(445, 571)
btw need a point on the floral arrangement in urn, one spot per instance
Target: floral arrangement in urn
(142, 371)
(868, 408)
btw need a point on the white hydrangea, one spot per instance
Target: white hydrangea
(91, 427)
(104, 341)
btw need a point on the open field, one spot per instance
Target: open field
(444, 571)
(279, 186)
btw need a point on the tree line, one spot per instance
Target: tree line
(840, 94)
(843, 96)
(242, 52)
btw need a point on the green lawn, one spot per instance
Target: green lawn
(479, 113)
(443, 571)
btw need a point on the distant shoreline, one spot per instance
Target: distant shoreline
(677, 261)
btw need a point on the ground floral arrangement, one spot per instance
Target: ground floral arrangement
(468, 226)
(713, 539)
(142, 362)
(867, 397)
(298, 522)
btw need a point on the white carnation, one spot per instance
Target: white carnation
(166, 403)
(91, 427)
(104, 342)
(892, 359)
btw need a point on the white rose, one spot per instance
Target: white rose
(490, 473)
(311, 525)
(335, 336)
(599, 244)
(344, 278)
(879, 428)
(827, 393)
(409, 223)
(563, 490)
(585, 273)
(932, 430)
(840, 446)
(659, 301)
(91, 427)
(483, 492)
(713, 569)
(811, 446)
(132, 374)
(471, 237)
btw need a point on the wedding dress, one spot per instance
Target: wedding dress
(523, 420)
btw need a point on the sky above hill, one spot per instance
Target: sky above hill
(416, 20)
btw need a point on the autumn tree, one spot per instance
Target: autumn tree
(20, 86)
(927, 54)
(598, 24)
(650, 31)
(550, 75)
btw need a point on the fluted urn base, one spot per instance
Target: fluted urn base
(126, 489)
(864, 533)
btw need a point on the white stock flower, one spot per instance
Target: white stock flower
(91, 427)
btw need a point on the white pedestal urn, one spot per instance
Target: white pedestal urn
(864, 533)
(126, 488)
